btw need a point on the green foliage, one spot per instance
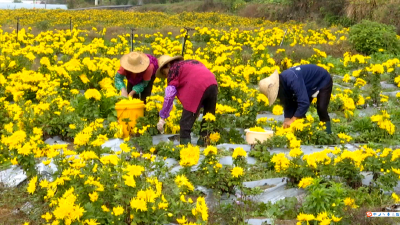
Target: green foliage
(43, 25)
(369, 131)
(316, 134)
(121, 2)
(284, 209)
(348, 170)
(362, 124)
(261, 151)
(298, 168)
(219, 180)
(387, 181)
(332, 12)
(143, 142)
(325, 196)
(231, 136)
(214, 175)
(117, 192)
(224, 126)
(4, 117)
(368, 37)
(333, 19)
(150, 118)
(92, 109)
(261, 171)
(233, 5)
(167, 149)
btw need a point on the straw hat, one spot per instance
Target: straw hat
(164, 60)
(135, 62)
(270, 87)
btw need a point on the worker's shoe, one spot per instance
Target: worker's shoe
(328, 127)
(185, 141)
(201, 142)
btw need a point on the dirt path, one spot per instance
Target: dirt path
(7, 216)
(11, 200)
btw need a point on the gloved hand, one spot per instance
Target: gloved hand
(160, 125)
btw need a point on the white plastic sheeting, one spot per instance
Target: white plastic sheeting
(13, 176)
(259, 221)
(9, 5)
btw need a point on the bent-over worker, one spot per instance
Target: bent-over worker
(195, 86)
(140, 70)
(296, 87)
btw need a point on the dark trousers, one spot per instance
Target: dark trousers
(146, 92)
(209, 101)
(323, 99)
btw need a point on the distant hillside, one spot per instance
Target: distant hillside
(329, 12)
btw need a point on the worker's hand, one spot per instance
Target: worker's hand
(160, 125)
(132, 93)
(124, 92)
(287, 122)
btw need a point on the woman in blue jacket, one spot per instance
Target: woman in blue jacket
(296, 87)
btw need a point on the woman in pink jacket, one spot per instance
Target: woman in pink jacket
(194, 85)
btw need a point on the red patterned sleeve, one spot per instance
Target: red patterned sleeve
(174, 71)
(148, 73)
(121, 71)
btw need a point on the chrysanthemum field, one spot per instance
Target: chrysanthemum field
(61, 142)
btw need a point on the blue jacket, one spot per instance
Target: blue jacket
(297, 85)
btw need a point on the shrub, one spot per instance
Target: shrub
(368, 37)
(392, 9)
(43, 25)
(333, 19)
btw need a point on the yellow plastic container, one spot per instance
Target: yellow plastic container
(132, 109)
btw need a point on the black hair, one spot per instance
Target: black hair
(175, 61)
(281, 93)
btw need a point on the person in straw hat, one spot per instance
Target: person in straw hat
(195, 86)
(139, 69)
(296, 87)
